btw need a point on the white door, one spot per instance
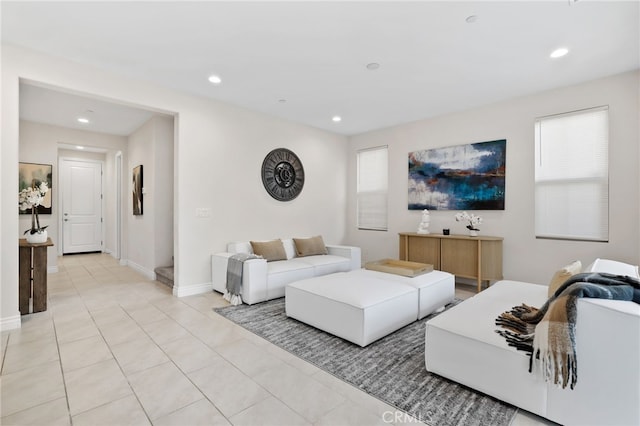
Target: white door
(81, 206)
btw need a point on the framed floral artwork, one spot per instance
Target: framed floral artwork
(30, 175)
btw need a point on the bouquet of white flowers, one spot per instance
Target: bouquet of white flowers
(472, 220)
(31, 198)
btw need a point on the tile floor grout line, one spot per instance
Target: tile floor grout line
(4, 354)
(186, 375)
(115, 359)
(78, 291)
(163, 351)
(64, 380)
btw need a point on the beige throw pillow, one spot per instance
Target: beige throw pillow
(269, 250)
(561, 276)
(310, 246)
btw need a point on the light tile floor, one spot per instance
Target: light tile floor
(114, 348)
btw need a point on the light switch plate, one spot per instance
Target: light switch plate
(203, 212)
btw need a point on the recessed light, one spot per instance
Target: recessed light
(336, 119)
(79, 147)
(559, 53)
(471, 19)
(214, 79)
(83, 120)
(373, 66)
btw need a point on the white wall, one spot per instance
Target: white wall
(163, 191)
(40, 143)
(525, 257)
(150, 235)
(9, 158)
(140, 235)
(218, 154)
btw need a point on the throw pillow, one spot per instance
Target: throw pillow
(269, 250)
(289, 248)
(563, 275)
(310, 246)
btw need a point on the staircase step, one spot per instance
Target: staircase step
(164, 274)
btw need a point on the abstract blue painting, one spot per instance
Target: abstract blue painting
(462, 177)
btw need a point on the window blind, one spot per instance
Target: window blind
(372, 187)
(572, 175)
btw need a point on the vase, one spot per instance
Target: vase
(473, 232)
(37, 238)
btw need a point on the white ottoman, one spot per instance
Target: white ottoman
(356, 308)
(436, 288)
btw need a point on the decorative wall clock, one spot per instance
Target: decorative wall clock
(282, 174)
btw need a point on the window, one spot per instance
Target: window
(572, 175)
(372, 188)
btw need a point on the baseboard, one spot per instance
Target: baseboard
(52, 269)
(10, 323)
(193, 289)
(122, 262)
(141, 269)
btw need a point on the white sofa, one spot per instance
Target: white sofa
(262, 280)
(462, 345)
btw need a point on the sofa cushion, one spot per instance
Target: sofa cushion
(282, 272)
(462, 345)
(310, 246)
(269, 250)
(326, 263)
(563, 275)
(613, 267)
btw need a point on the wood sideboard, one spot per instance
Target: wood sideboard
(478, 258)
(32, 275)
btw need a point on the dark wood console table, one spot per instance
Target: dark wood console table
(33, 275)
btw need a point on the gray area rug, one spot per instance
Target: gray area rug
(391, 369)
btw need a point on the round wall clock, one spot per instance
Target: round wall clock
(282, 174)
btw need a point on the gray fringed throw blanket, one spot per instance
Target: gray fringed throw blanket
(548, 334)
(234, 277)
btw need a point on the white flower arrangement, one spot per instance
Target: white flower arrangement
(31, 198)
(472, 219)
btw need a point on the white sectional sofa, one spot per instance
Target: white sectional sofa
(264, 280)
(462, 345)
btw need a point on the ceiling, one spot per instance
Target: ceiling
(307, 61)
(44, 105)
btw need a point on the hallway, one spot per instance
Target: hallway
(114, 348)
